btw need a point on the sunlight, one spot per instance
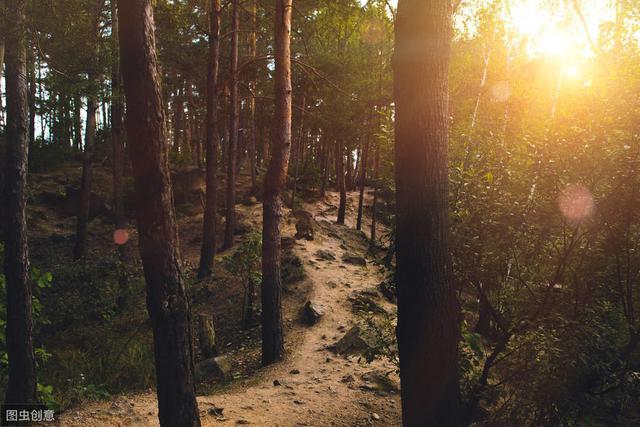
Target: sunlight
(571, 71)
(551, 32)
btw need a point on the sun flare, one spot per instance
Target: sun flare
(548, 31)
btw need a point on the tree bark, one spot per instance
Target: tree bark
(178, 119)
(117, 140)
(167, 301)
(21, 387)
(298, 153)
(1, 66)
(31, 70)
(374, 203)
(324, 154)
(230, 219)
(208, 250)
(340, 181)
(428, 328)
(274, 183)
(253, 85)
(80, 249)
(363, 178)
(77, 123)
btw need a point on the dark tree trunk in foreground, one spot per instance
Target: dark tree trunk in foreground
(21, 387)
(80, 249)
(428, 329)
(230, 218)
(340, 180)
(274, 182)
(167, 301)
(208, 250)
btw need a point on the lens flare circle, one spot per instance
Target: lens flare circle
(120, 237)
(576, 203)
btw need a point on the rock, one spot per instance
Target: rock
(286, 243)
(306, 226)
(311, 313)
(242, 227)
(347, 379)
(215, 411)
(325, 255)
(276, 383)
(206, 336)
(375, 416)
(292, 268)
(378, 381)
(218, 368)
(249, 200)
(352, 342)
(388, 289)
(355, 260)
(363, 302)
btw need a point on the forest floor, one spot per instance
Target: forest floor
(312, 386)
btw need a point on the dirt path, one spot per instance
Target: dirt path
(316, 387)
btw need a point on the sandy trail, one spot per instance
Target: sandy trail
(317, 387)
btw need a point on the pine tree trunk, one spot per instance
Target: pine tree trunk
(428, 329)
(252, 98)
(178, 118)
(298, 153)
(1, 69)
(230, 218)
(363, 179)
(118, 159)
(167, 301)
(77, 123)
(325, 167)
(374, 203)
(117, 140)
(21, 387)
(208, 250)
(340, 181)
(274, 183)
(31, 75)
(80, 249)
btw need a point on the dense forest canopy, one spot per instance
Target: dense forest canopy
(195, 189)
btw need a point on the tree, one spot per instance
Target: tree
(428, 329)
(253, 84)
(80, 249)
(230, 223)
(274, 182)
(208, 250)
(117, 140)
(21, 387)
(340, 180)
(363, 176)
(167, 301)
